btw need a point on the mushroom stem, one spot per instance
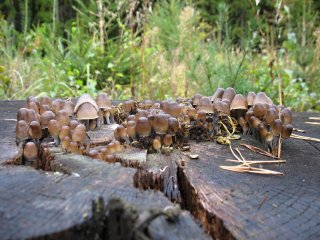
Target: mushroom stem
(107, 116)
(56, 140)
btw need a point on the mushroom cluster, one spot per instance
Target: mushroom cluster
(44, 117)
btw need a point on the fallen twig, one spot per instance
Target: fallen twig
(298, 130)
(313, 123)
(249, 162)
(314, 118)
(241, 168)
(304, 138)
(259, 150)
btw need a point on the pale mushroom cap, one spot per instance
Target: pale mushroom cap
(87, 111)
(73, 124)
(221, 106)
(30, 151)
(34, 106)
(79, 133)
(45, 118)
(228, 94)
(85, 98)
(250, 98)
(22, 130)
(65, 142)
(262, 98)
(132, 118)
(57, 105)
(64, 131)
(93, 153)
(121, 132)
(131, 129)
(53, 128)
(174, 109)
(218, 94)
(205, 105)
(73, 147)
(35, 130)
(128, 106)
(103, 101)
(141, 113)
(196, 99)
(32, 116)
(44, 108)
(167, 140)
(239, 102)
(143, 127)
(156, 143)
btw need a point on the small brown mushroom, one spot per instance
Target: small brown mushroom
(22, 132)
(35, 131)
(286, 116)
(86, 112)
(45, 100)
(276, 127)
(68, 106)
(79, 134)
(54, 129)
(64, 131)
(131, 130)
(260, 110)
(218, 94)
(121, 134)
(160, 123)
(45, 118)
(63, 118)
(250, 99)
(286, 131)
(34, 106)
(57, 105)
(73, 147)
(205, 105)
(65, 143)
(228, 94)
(30, 154)
(262, 98)
(239, 106)
(143, 127)
(156, 144)
(44, 108)
(23, 114)
(73, 124)
(167, 140)
(196, 99)
(271, 115)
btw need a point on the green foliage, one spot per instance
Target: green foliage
(160, 49)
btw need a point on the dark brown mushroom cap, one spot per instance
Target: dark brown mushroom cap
(22, 114)
(64, 131)
(222, 107)
(143, 127)
(65, 142)
(173, 124)
(174, 109)
(44, 108)
(30, 151)
(239, 102)
(73, 147)
(201, 116)
(269, 137)
(160, 123)
(286, 116)
(92, 124)
(196, 99)
(68, 106)
(243, 123)
(128, 106)
(79, 133)
(250, 98)
(271, 115)
(57, 105)
(32, 116)
(45, 118)
(218, 94)
(22, 130)
(167, 140)
(286, 131)
(35, 130)
(260, 110)
(262, 98)
(249, 113)
(263, 131)
(45, 100)
(254, 121)
(276, 127)
(205, 105)
(34, 100)
(85, 99)
(86, 112)
(63, 118)
(191, 111)
(53, 128)
(103, 101)
(228, 94)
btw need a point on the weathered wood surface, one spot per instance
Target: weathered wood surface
(70, 203)
(229, 205)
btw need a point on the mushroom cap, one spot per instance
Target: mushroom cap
(286, 116)
(174, 109)
(260, 109)
(250, 98)
(63, 118)
(201, 116)
(57, 105)
(93, 153)
(156, 143)
(117, 145)
(132, 118)
(73, 124)
(205, 105)
(249, 113)
(143, 127)
(103, 101)
(68, 106)
(120, 132)
(262, 98)
(271, 115)
(263, 131)
(85, 98)
(191, 111)
(160, 123)
(73, 147)
(254, 121)
(30, 151)
(34, 106)
(141, 113)
(131, 129)
(35, 130)
(167, 140)
(45, 118)
(276, 127)
(112, 147)
(79, 133)
(228, 94)
(222, 107)
(218, 94)
(110, 158)
(53, 128)
(44, 108)
(22, 130)
(87, 111)
(64, 131)
(22, 114)
(34, 100)
(239, 102)
(65, 142)
(32, 116)
(173, 124)
(128, 106)
(286, 131)
(196, 99)
(45, 100)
